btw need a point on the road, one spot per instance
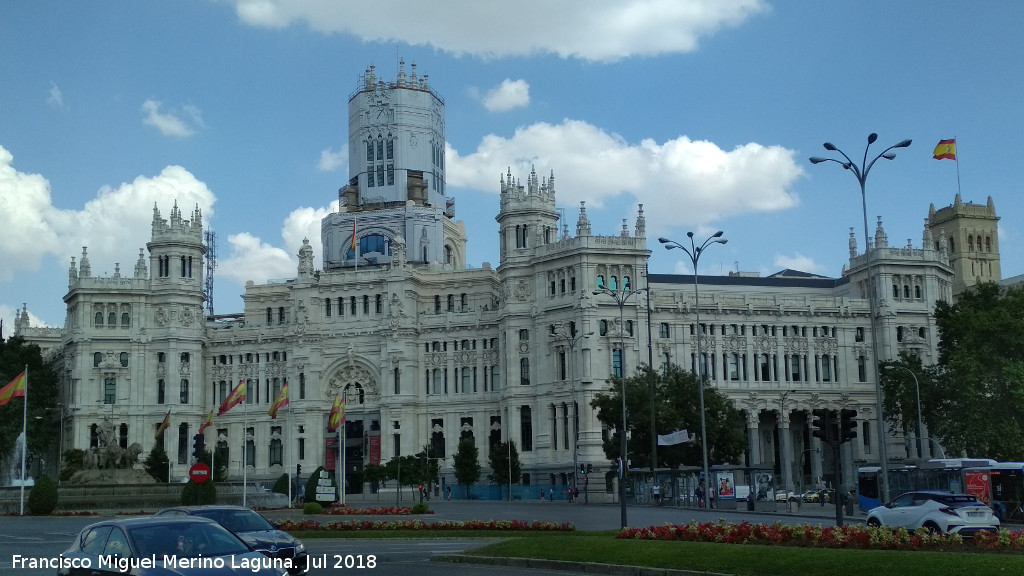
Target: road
(47, 537)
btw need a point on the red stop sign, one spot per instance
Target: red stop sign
(199, 473)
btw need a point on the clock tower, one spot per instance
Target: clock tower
(396, 184)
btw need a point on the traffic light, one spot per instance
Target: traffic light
(198, 446)
(820, 424)
(298, 470)
(847, 425)
(583, 469)
(590, 468)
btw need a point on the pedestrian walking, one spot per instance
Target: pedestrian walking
(551, 494)
(656, 493)
(449, 492)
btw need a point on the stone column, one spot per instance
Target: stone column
(753, 437)
(785, 451)
(817, 457)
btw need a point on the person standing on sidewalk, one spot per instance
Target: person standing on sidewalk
(656, 494)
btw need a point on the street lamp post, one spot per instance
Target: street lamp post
(920, 421)
(571, 339)
(861, 174)
(650, 366)
(694, 253)
(620, 300)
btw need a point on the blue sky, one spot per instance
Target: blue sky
(705, 111)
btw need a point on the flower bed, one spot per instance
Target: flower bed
(351, 525)
(881, 538)
(379, 511)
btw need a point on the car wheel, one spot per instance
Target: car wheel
(874, 523)
(932, 528)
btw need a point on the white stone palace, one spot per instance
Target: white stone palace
(427, 349)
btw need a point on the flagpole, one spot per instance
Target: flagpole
(288, 430)
(956, 158)
(342, 450)
(245, 444)
(24, 433)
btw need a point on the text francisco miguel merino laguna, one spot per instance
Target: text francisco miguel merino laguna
(124, 565)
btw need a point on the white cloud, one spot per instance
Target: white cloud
(171, 123)
(596, 30)
(252, 259)
(798, 262)
(510, 94)
(592, 165)
(331, 160)
(55, 97)
(113, 225)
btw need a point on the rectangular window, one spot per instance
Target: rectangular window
(250, 447)
(160, 391)
(398, 382)
(663, 330)
(524, 371)
(184, 391)
(302, 385)
(617, 363)
(378, 304)
(862, 369)
(109, 390)
(526, 429)
(369, 176)
(826, 368)
(733, 367)
(794, 366)
(302, 448)
(396, 445)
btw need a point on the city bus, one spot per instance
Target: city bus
(945, 474)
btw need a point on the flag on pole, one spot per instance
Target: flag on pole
(945, 150)
(207, 422)
(163, 425)
(673, 438)
(280, 402)
(353, 235)
(337, 416)
(15, 389)
(236, 397)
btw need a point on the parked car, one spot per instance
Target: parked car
(783, 496)
(816, 495)
(258, 532)
(939, 512)
(162, 546)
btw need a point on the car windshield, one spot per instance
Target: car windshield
(185, 539)
(237, 520)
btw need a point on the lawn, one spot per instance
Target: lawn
(745, 560)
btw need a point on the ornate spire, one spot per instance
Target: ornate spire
(881, 240)
(84, 269)
(582, 224)
(641, 223)
(853, 244)
(140, 266)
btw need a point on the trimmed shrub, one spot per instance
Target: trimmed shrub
(312, 508)
(43, 497)
(420, 508)
(193, 494)
(281, 486)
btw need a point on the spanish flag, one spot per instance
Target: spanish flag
(280, 402)
(237, 396)
(337, 416)
(15, 389)
(946, 150)
(163, 425)
(353, 235)
(207, 422)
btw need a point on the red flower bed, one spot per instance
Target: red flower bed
(883, 538)
(379, 511)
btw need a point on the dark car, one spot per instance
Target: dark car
(258, 532)
(166, 546)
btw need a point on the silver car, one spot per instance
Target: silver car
(939, 512)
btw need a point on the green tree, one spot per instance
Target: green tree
(156, 464)
(677, 406)
(899, 393)
(504, 455)
(43, 413)
(43, 497)
(193, 494)
(221, 473)
(974, 404)
(74, 460)
(467, 463)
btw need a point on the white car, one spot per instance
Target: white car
(940, 512)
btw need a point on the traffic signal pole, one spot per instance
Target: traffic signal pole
(835, 430)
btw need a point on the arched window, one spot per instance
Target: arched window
(99, 319)
(600, 286)
(952, 245)
(124, 359)
(895, 291)
(126, 320)
(625, 283)
(906, 291)
(613, 283)
(604, 327)
(97, 357)
(970, 243)
(988, 244)
(917, 291)
(112, 319)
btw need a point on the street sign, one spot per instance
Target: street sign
(199, 473)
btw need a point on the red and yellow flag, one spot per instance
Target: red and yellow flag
(280, 402)
(15, 389)
(207, 422)
(236, 397)
(353, 235)
(163, 425)
(337, 416)
(946, 150)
